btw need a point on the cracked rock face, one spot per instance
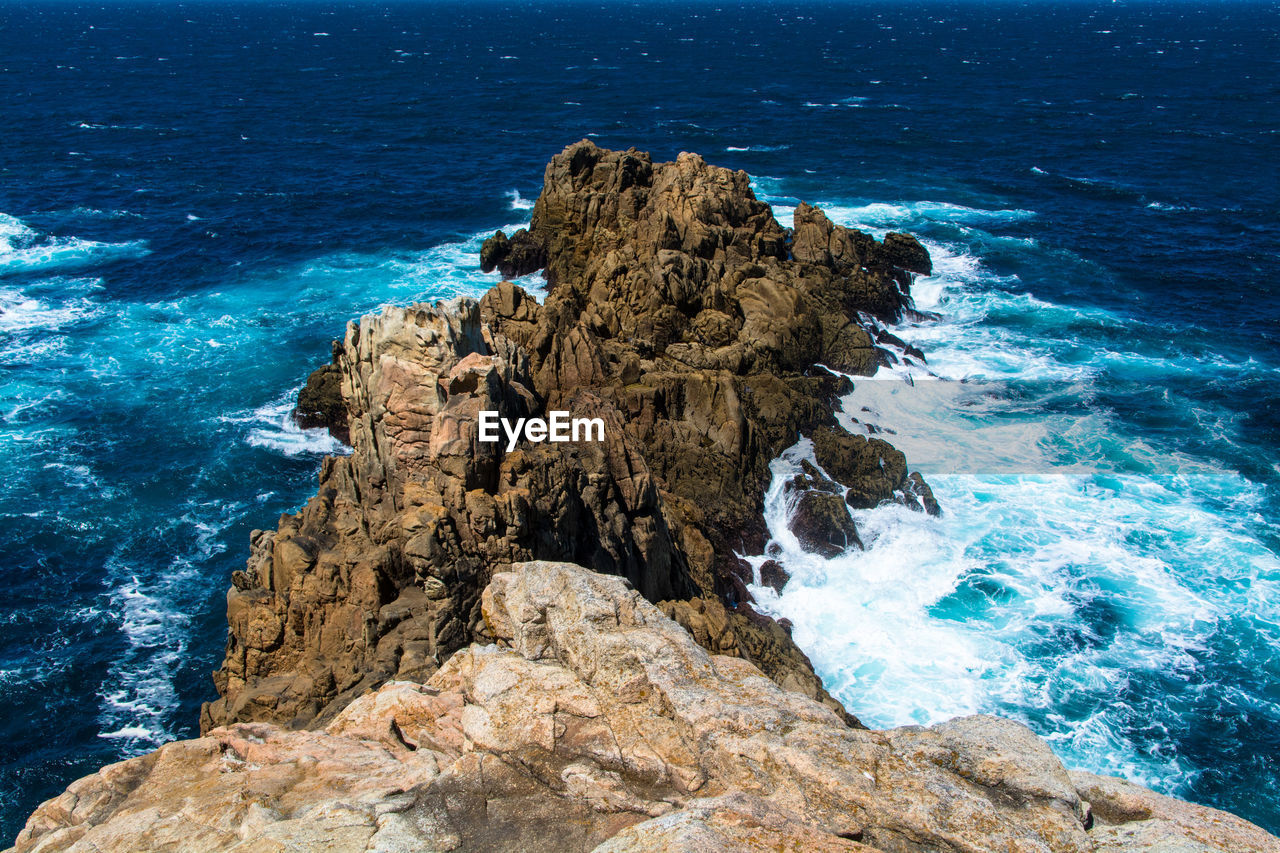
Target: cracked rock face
(595, 722)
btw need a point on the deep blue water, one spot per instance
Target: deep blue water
(194, 198)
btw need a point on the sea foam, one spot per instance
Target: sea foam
(24, 250)
(1079, 573)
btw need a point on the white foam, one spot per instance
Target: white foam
(519, 202)
(24, 310)
(132, 733)
(889, 636)
(277, 430)
(139, 697)
(22, 249)
(878, 215)
(95, 213)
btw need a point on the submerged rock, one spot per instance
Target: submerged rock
(773, 575)
(594, 722)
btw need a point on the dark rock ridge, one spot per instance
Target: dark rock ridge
(520, 255)
(681, 313)
(320, 404)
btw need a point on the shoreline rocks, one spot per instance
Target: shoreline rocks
(680, 315)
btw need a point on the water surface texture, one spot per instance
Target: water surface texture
(194, 198)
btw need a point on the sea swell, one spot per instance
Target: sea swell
(1106, 583)
(25, 250)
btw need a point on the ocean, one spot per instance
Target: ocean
(196, 197)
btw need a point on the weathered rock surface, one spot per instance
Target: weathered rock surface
(675, 294)
(595, 722)
(1130, 817)
(379, 576)
(514, 257)
(678, 315)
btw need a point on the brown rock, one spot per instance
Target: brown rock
(675, 315)
(905, 252)
(873, 470)
(773, 575)
(514, 257)
(822, 524)
(678, 314)
(494, 250)
(743, 633)
(320, 404)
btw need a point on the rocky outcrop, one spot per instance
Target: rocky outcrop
(514, 257)
(822, 525)
(594, 722)
(679, 313)
(320, 404)
(379, 576)
(675, 293)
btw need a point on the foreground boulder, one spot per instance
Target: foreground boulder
(594, 722)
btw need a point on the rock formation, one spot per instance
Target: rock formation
(457, 645)
(594, 722)
(679, 313)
